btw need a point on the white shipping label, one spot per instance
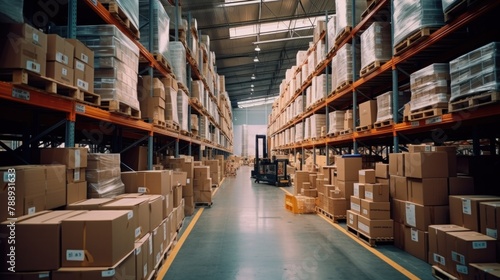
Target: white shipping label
(479, 245)
(164, 231)
(82, 84)
(145, 271)
(43, 275)
(31, 210)
(130, 214)
(76, 174)
(466, 206)
(365, 211)
(80, 66)
(410, 215)
(188, 180)
(84, 58)
(492, 232)
(64, 71)
(33, 66)
(35, 38)
(456, 257)
(142, 190)
(368, 195)
(414, 235)
(60, 57)
(462, 269)
(108, 273)
(351, 221)
(138, 250)
(137, 232)
(363, 227)
(75, 255)
(355, 207)
(356, 190)
(439, 259)
(150, 245)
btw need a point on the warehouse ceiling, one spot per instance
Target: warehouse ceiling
(234, 27)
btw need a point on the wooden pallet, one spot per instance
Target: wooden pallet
(203, 204)
(371, 67)
(172, 125)
(333, 218)
(342, 35)
(334, 134)
(363, 128)
(163, 61)
(343, 85)
(471, 102)
(346, 131)
(117, 12)
(413, 39)
(118, 107)
(184, 132)
(372, 242)
(428, 113)
(371, 6)
(156, 122)
(382, 124)
(196, 102)
(90, 98)
(183, 88)
(180, 224)
(439, 273)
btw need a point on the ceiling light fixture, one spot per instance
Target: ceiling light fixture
(251, 85)
(283, 39)
(257, 49)
(253, 76)
(256, 59)
(235, 3)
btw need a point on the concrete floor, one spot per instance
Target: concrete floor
(247, 234)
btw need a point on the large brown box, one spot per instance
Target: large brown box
(60, 72)
(346, 188)
(461, 185)
(47, 226)
(352, 219)
(428, 191)
(377, 192)
(398, 210)
(464, 247)
(399, 235)
(464, 210)
(367, 112)
(426, 165)
(179, 178)
(485, 271)
(76, 192)
(358, 190)
(177, 194)
(75, 175)
(310, 192)
(96, 238)
(89, 204)
(398, 186)
(139, 215)
(416, 243)
(124, 269)
(452, 158)
(154, 182)
(348, 168)
(24, 55)
(73, 158)
(82, 52)
(382, 170)
(420, 216)
(300, 178)
(337, 206)
(437, 243)
(55, 186)
(189, 205)
(355, 205)
(376, 228)
(397, 164)
(489, 213)
(136, 158)
(367, 176)
(158, 248)
(29, 33)
(375, 210)
(143, 258)
(60, 50)
(83, 76)
(156, 204)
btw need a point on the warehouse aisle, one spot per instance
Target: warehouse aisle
(248, 234)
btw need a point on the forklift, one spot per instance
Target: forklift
(272, 171)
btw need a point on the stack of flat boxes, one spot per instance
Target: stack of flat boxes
(60, 54)
(171, 89)
(348, 120)
(336, 121)
(367, 113)
(215, 170)
(317, 121)
(75, 160)
(152, 99)
(84, 66)
(185, 164)
(202, 184)
(346, 175)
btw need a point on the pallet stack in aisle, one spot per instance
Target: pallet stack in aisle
(202, 185)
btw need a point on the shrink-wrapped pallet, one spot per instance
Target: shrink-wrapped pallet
(430, 86)
(182, 110)
(336, 121)
(342, 66)
(299, 132)
(344, 14)
(177, 59)
(130, 8)
(160, 23)
(11, 11)
(384, 105)
(376, 43)
(476, 72)
(316, 122)
(331, 30)
(103, 176)
(299, 105)
(307, 128)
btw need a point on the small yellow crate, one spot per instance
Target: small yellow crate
(300, 204)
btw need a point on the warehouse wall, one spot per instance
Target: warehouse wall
(254, 120)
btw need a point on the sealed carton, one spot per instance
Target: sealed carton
(382, 170)
(367, 176)
(352, 219)
(377, 192)
(82, 52)
(60, 50)
(76, 192)
(89, 204)
(143, 258)
(397, 164)
(426, 165)
(416, 243)
(375, 210)
(428, 191)
(420, 216)
(437, 243)
(464, 210)
(348, 168)
(140, 216)
(398, 187)
(376, 228)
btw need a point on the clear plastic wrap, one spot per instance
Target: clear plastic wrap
(204, 127)
(130, 8)
(320, 53)
(448, 4)
(301, 57)
(103, 175)
(160, 22)
(299, 105)
(331, 29)
(343, 10)
(177, 58)
(299, 131)
(342, 64)
(336, 121)
(198, 91)
(11, 11)
(307, 128)
(317, 121)
(413, 15)
(311, 62)
(476, 72)
(305, 72)
(376, 43)
(430, 86)
(182, 109)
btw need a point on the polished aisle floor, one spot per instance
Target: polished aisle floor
(247, 234)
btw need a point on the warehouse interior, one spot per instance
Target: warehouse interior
(249, 139)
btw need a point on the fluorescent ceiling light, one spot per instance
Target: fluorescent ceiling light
(256, 102)
(234, 3)
(283, 39)
(273, 27)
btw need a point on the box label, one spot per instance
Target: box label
(150, 245)
(188, 180)
(108, 273)
(351, 221)
(410, 215)
(75, 255)
(145, 270)
(33, 66)
(31, 210)
(130, 214)
(491, 232)
(64, 72)
(20, 94)
(363, 227)
(368, 195)
(76, 174)
(479, 245)
(466, 206)
(439, 259)
(355, 207)
(414, 235)
(462, 269)
(456, 257)
(137, 232)
(142, 190)
(164, 231)
(365, 211)
(35, 37)
(84, 58)
(138, 250)
(80, 66)
(82, 84)
(60, 57)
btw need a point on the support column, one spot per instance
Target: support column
(150, 151)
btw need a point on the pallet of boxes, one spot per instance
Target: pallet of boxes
(303, 200)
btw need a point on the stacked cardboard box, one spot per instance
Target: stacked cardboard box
(60, 54)
(430, 87)
(29, 51)
(75, 160)
(202, 184)
(171, 89)
(194, 124)
(185, 164)
(83, 66)
(367, 113)
(375, 45)
(215, 170)
(151, 95)
(136, 158)
(103, 175)
(182, 110)
(348, 120)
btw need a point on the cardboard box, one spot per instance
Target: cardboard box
(375, 210)
(203, 196)
(428, 191)
(101, 175)
(367, 176)
(420, 217)
(310, 192)
(179, 178)
(377, 192)
(397, 164)
(355, 205)
(28, 33)
(136, 158)
(346, 188)
(437, 243)
(60, 50)
(76, 192)
(169, 204)
(82, 52)
(73, 158)
(367, 113)
(461, 185)
(143, 258)
(129, 179)
(154, 182)
(464, 247)
(399, 187)
(300, 178)
(156, 204)
(124, 269)
(337, 206)
(89, 204)
(416, 243)
(426, 165)
(399, 235)
(177, 195)
(96, 238)
(158, 249)
(376, 228)
(55, 186)
(348, 168)
(358, 190)
(75, 175)
(352, 219)
(398, 210)
(140, 213)
(83, 76)
(382, 170)
(47, 226)
(24, 55)
(489, 213)
(98, 161)
(464, 210)
(335, 193)
(452, 158)
(419, 148)
(189, 205)
(60, 72)
(486, 271)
